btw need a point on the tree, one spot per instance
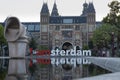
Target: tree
(33, 44)
(102, 36)
(2, 39)
(3, 74)
(2, 42)
(42, 47)
(85, 47)
(113, 17)
(90, 44)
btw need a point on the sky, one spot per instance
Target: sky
(29, 10)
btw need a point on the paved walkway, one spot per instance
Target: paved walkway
(111, 64)
(108, 63)
(112, 76)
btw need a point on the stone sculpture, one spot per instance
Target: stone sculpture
(15, 34)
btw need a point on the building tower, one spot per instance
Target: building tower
(85, 8)
(44, 31)
(91, 19)
(89, 13)
(55, 10)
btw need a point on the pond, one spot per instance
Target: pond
(36, 67)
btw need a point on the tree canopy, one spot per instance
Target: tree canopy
(33, 43)
(102, 36)
(2, 39)
(113, 17)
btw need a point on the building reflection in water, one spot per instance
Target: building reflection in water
(36, 69)
(48, 71)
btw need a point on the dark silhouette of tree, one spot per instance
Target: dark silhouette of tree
(2, 39)
(102, 35)
(33, 44)
(2, 43)
(113, 17)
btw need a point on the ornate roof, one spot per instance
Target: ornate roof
(91, 8)
(45, 8)
(54, 10)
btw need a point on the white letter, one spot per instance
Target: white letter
(67, 61)
(79, 53)
(73, 52)
(62, 53)
(79, 60)
(85, 61)
(62, 60)
(73, 61)
(67, 52)
(52, 60)
(52, 53)
(57, 61)
(86, 52)
(57, 52)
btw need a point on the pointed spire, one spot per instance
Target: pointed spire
(91, 8)
(55, 10)
(85, 1)
(85, 7)
(54, 1)
(45, 8)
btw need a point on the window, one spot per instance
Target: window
(67, 20)
(44, 28)
(50, 27)
(77, 36)
(57, 28)
(67, 34)
(57, 36)
(30, 27)
(43, 37)
(37, 28)
(77, 27)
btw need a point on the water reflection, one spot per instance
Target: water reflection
(17, 70)
(41, 68)
(57, 71)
